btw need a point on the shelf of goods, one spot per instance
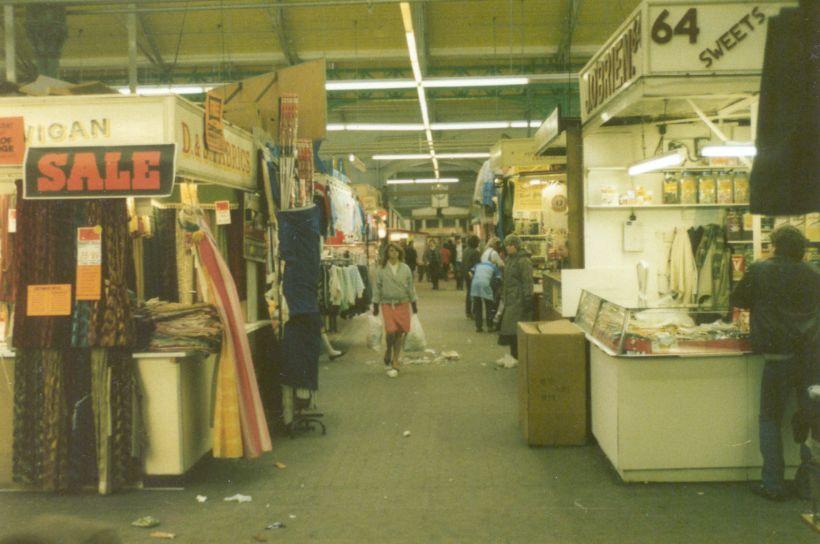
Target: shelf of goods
(671, 407)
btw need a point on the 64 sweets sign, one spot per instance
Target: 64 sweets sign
(99, 172)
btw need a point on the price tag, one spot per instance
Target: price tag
(48, 300)
(89, 263)
(12, 220)
(223, 212)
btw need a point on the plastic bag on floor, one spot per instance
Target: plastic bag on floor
(416, 340)
(375, 332)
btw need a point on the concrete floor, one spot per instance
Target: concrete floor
(463, 475)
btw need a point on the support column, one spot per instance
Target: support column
(11, 53)
(131, 24)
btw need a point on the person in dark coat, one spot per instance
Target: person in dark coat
(471, 258)
(783, 294)
(410, 255)
(432, 259)
(516, 292)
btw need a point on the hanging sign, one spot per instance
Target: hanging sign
(613, 68)
(12, 142)
(223, 212)
(690, 37)
(441, 200)
(48, 300)
(214, 126)
(99, 172)
(89, 263)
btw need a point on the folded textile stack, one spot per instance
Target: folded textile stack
(180, 327)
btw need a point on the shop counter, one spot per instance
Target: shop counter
(681, 419)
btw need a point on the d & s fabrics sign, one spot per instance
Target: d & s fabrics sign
(99, 172)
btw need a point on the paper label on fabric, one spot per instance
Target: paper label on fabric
(48, 300)
(12, 221)
(89, 263)
(223, 212)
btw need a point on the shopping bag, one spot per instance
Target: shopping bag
(416, 340)
(375, 332)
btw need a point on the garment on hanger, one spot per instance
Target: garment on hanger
(683, 274)
(299, 240)
(713, 265)
(301, 348)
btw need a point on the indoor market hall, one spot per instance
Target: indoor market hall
(436, 454)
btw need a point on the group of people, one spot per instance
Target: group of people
(437, 262)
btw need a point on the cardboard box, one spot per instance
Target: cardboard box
(552, 383)
(254, 102)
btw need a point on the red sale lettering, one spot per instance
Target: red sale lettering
(146, 176)
(116, 179)
(52, 177)
(85, 171)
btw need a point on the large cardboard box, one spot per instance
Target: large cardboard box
(552, 383)
(254, 102)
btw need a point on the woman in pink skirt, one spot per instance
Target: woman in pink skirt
(394, 295)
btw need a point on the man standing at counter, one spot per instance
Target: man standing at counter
(782, 294)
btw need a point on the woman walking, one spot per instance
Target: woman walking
(516, 292)
(394, 295)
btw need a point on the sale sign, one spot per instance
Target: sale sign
(12, 141)
(99, 172)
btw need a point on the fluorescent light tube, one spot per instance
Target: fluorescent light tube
(477, 155)
(471, 125)
(437, 180)
(376, 127)
(414, 55)
(406, 16)
(425, 113)
(399, 181)
(403, 157)
(366, 85)
(667, 160)
(458, 82)
(729, 150)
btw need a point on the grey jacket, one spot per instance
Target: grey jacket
(393, 288)
(516, 293)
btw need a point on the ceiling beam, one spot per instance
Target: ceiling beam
(153, 52)
(562, 56)
(277, 17)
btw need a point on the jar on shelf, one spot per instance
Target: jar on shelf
(707, 188)
(725, 188)
(688, 188)
(740, 182)
(671, 189)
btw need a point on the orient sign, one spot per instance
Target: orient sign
(99, 172)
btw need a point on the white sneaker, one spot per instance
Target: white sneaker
(392, 373)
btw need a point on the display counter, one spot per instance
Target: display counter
(683, 415)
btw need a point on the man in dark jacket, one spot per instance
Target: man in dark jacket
(471, 258)
(782, 294)
(410, 255)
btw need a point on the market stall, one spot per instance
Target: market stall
(667, 234)
(127, 194)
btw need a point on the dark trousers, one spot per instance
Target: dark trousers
(422, 271)
(459, 272)
(434, 273)
(483, 312)
(780, 380)
(468, 300)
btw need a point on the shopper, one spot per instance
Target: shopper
(458, 266)
(783, 294)
(410, 256)
(491, 254)
(516, 292)
(471, 258)
(481, 291)
(445, 261)
(432, 259)
(394, 295)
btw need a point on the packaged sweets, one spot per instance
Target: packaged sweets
(748, 226)
(671, 190)
(707, 189)
(741, 188)
(688, 188)
(734, 225)
(725, 188)
(609, 196)
(738, 266)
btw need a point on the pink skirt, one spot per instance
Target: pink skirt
(396, 317)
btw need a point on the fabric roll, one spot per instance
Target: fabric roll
(299, 241)
(7, 250)
(255, 434)
(301, 346)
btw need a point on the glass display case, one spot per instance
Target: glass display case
(621, 326)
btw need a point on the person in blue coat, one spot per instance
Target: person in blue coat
(484, 275)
